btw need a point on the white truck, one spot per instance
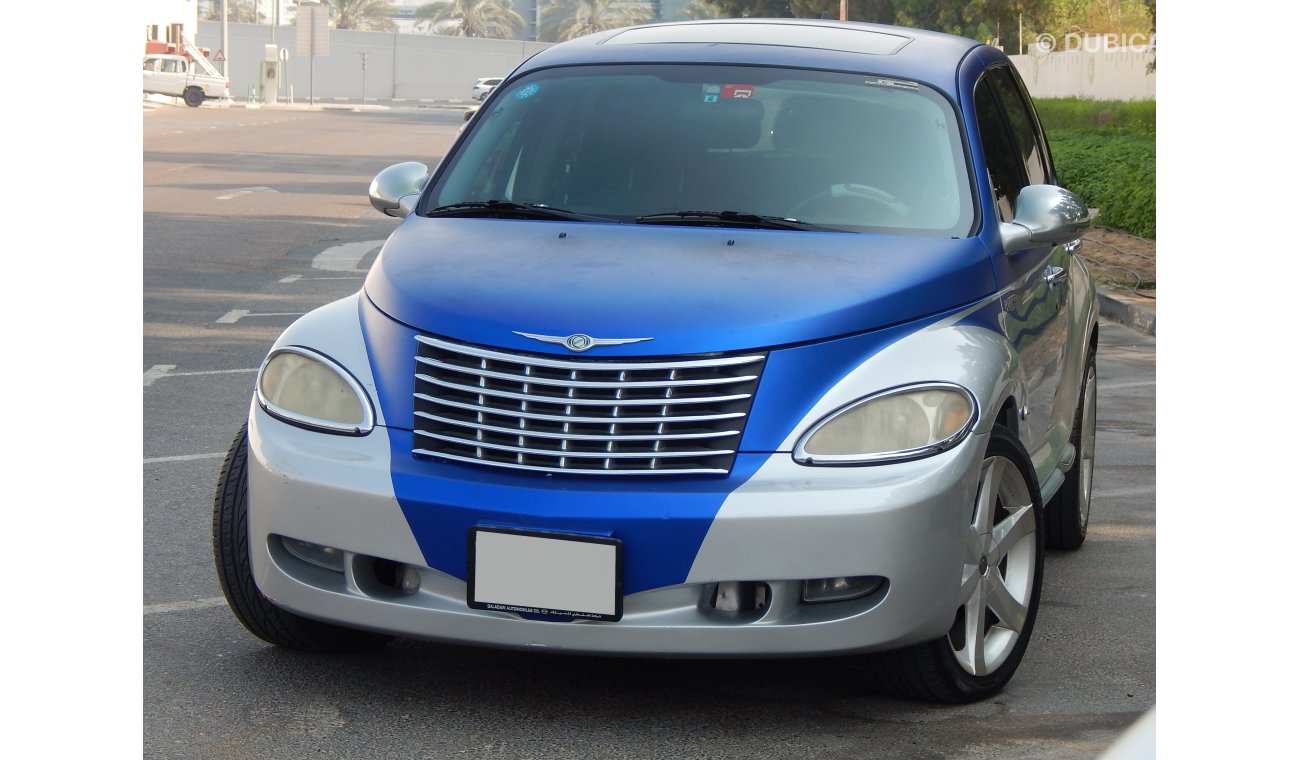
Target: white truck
(193, 79)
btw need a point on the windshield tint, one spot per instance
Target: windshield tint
(842, 151)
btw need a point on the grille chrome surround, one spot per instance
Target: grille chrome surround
(581, 416)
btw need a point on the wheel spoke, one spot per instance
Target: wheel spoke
(986, 501)
(1006, 534)
(974, 651)
(1011, 613)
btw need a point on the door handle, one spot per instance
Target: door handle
(1054, 275)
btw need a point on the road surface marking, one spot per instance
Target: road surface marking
(234, 315)
(344, 258)
(245, 191)
(1134, 491)
(197, 604)
(196, 373)
(1118, 386)
(291, 278)
(155, 372)
(183, 458)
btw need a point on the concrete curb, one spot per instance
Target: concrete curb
(1127, 309)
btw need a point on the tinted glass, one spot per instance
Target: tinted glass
(1023, 125)
(1005, 168)
(850, 152)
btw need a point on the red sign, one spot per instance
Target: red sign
(742, 91)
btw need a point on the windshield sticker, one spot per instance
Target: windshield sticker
(527, 91)
(893, 84)
(741, 91)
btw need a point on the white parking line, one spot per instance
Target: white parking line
(156, 371)
(245, 191)
(234, 315)
(197, 373)
(183, 458)
(197, 604)
(1135, 491)
(1118, 386)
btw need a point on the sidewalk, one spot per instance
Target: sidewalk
(1128, 309)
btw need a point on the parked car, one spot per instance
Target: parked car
(769, 342)
(181, 77)
(484, 86)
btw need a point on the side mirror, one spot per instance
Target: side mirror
(1045, 215)
(395, 190)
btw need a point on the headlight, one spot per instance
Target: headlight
(308, 389)
(903, 423)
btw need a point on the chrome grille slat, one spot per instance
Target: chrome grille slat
(581, 383)
(483, 390)
(575, 453)
(587, 416)
(579, 419)
(522, 432)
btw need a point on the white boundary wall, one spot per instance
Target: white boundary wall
(1094, 75)
(398, 66)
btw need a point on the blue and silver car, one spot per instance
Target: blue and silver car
(716, 339)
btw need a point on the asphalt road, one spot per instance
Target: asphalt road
(252, 217)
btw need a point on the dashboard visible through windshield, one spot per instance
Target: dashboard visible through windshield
(713, 145)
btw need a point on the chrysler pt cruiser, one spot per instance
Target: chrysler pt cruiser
(715, 339)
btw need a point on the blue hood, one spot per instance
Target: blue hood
(692, 289)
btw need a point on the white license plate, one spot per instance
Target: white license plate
(556, 574)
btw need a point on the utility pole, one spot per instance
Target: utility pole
(844, 10)
(225, 41)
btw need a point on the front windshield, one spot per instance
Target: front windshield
(650, 143)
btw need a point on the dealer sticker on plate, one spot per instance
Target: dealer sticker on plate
(559, 574)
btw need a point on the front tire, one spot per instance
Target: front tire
(1001, 580)
(193, 97)
(1068, 512)
(235, 571)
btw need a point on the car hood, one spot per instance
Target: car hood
(690, 289)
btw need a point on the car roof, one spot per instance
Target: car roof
(930, 57)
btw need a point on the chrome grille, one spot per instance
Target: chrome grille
(582, 417)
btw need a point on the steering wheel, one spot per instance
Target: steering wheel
(845, 198)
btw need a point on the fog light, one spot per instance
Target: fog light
(322, 556)
(840, 589)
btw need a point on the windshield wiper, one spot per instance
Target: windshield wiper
(730, 219)
(510, 208)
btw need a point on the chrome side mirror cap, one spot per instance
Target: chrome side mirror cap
(1045, 215)
(395, 190)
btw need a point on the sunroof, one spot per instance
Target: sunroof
(787, 35)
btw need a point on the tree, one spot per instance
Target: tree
(371, 15)
(701, 9)
(565, 19)
(755, 8)
(875, 11)
(494, 19)
(237, 11)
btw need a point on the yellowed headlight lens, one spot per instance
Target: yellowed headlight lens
(910, 421)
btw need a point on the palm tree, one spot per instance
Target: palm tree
(494, 19)
(701, 9)
(565, 19)
(371, 15)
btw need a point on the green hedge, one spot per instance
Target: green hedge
(1106, 152)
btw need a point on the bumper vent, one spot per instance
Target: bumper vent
(581, 417)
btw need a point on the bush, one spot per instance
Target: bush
(1105, 151)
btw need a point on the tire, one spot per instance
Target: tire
(1068, 511)
(982, 650)
(235, 571)
(193, 97)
